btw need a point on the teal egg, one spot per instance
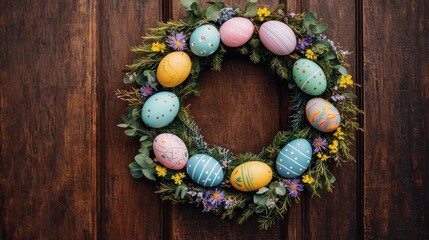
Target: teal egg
(204, 170)
(294, 158)
(204, 40)
(309, 77)
(160, 109)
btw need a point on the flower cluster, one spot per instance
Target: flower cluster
(310, 54)
(304, 42)
(263, 13)
(346, 81)
(178, 178)
(161, 171)
(158, 47)
(226, 14)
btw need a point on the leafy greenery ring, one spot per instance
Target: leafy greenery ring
(272, 201)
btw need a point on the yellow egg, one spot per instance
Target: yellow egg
(173, 69)
(251, 176)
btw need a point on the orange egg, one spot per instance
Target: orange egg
(173, 69)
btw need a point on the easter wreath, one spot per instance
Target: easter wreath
(172, 150)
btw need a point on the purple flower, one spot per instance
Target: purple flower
(319, 144)
(225, 14)
(337, 97)
(303, 43)
(213, 200)
(147, 90)
(294, 187)
(292, 14)
(177, 41)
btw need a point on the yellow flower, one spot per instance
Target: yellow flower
(161, 171)
(178, 178)
(339, 134)
(307, 178)
(322, 157)
(333, 148)
(346, 81)
(158, 47)
(263, 13)
(310, 54)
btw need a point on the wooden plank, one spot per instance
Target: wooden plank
(335, 215)
(396, 91)
(130, 208)
(48, 95)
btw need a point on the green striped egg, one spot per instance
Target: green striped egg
(251, 176)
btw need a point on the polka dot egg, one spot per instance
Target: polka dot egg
(236, 31)
(322, 115)
(204, 40)
(251, 176)
(170, 151)
(204, 170)
(294, 158)
(160, 109)
(309, 77)
(277, 37)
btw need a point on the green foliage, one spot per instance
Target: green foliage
(271, 202)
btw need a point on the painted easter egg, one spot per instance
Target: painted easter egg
(294, 158)
(309, 77)
(173, 69)
(236, 31)
(204, 40)
(160, 109)
(277, 37)
(322, 115)
(170, 151)
(251, 176)
(204, 170)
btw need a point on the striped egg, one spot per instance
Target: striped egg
(309, 77)
(277, 37)
(294, 158)
(322, 115)
(204, 170)
(251, 176)
(170, 151)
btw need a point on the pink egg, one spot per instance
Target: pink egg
(277, 37)
(170, 151)
(322, 115)
(236, 31)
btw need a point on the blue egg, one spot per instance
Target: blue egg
(160, 109)
(294, 158)
(204, 170)
(204, 40)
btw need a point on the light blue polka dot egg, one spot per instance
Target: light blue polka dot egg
(294, 158)
(204, 40)
(204, 170)
(160, 109)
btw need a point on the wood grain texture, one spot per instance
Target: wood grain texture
(129, 208)
(48, 120)
(335, 214)
(397, 111)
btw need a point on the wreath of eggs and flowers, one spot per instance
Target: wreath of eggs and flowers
(172, 150)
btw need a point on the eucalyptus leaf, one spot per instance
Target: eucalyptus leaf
(122, 125)
(251, 11)
(187, 3)
(142, 138)
(330, 55)
(140, 80)
(349, 95)
(260, 199)
(136, 173)
(213, 13)
(181, 190)
(262, 190)
(128, 79)
(131, 132)
(309, 18)
(134, 166)
(342, 70)
(146, 144)
(144, 151)
(149, 174)
(252, 1)
(260, 209)
(136, 113)
(280, 190)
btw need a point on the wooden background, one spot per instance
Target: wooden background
(63, 166)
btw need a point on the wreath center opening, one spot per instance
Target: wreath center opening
(239, 107)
